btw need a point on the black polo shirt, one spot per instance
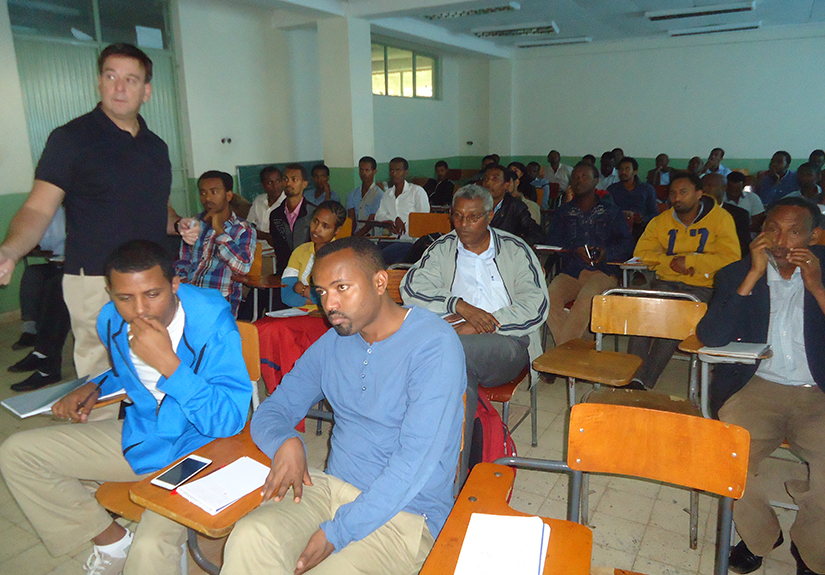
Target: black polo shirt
(117, 187)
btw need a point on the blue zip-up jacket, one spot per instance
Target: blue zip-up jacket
(207, 397)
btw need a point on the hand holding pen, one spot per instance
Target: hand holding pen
(77, 405)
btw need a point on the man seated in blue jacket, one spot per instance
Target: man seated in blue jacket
(176, 351)
(395, 378)
(776, 296)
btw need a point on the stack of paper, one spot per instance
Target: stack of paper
(288, 312)
(738, 349)
(496, 544)
(547, 248)
(41, 400)
(225, 486)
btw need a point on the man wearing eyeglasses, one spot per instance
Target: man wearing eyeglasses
(489, 284)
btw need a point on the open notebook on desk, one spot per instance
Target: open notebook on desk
(497, 544)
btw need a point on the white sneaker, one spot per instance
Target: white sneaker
(104, 564)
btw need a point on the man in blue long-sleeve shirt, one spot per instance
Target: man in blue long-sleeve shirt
(593, 232)
(395, 379)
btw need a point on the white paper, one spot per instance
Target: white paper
(496, 544)
(41, 401)
(288, 312)
(634, 262)
(225, 486)
(546, 248)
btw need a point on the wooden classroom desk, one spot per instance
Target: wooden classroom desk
(486, 490)
(169, 504)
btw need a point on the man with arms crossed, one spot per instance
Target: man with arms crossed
(395, 379)
(492, 281)
(397, 204)
(363, 201)
(272, 181)
(776, 296)
(176, 352)
(113, 176)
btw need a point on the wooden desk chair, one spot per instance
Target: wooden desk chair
(540, 195)
(674, 448)
(503, 394)
(486, 490)
(621, 312)
(257, 260)
(422, 224)
(661, 192)
(396, 276)
(251, 349)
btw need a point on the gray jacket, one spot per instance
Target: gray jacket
(428, 284)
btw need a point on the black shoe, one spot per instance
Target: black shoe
(29, 363)
(637, 385)
(801, 568)
(36, 380)
(26, 340)
(743, 561)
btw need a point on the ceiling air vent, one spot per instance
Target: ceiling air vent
(700, 11)
(477, 12)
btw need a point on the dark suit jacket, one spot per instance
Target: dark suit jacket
(653, 176)
(284, 240)
(514, 217)
(731, 317)
(742, 220)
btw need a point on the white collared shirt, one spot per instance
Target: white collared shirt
(605, 181)
(413, 198)
(147, 374)
(260, 210)
(789, 364)
(749, 201)
(478, 281)
(560, 176)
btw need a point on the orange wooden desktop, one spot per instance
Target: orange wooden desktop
(486, 490)
(169, 504)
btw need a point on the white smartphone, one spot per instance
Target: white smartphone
(181, 472)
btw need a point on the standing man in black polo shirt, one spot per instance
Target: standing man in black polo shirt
(113, 176)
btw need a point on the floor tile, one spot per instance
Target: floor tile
(651, 567)
(628, 505)
(670, 548)
(616, 532)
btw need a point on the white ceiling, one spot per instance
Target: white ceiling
(601, 20)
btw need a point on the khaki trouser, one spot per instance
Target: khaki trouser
(771, 413)
(566, 326)
(43, 469)
(85, 296)
(271, 538)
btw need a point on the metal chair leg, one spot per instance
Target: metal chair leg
(723, 535)
(320, 407)
(505, 412)
(585, 499)
(571, 391)
(199, 557)
(534, 390)
(694, 519)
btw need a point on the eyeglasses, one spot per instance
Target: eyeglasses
(469, 218)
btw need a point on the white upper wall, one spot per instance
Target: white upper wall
(751, 93)
(16, 167)
(235, 82)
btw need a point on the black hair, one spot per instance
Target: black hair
(798, 202)
(298, 167)
(518, 165)
(228, 183)
(787, 156)
(550, 152)
(369, 160)
(720, 149)
(815, 153)
(269, 170)
(367, 253)
(138, 256)
(808, 167)
(690, 176)
(589, 158)
(593, 169)
(442, 164)
(630, 160)
(321, 167)
(130, 51)
(509, 175)
(607, 156)
(489, 157)
(337, 210)
(400, 160)
(737, 177)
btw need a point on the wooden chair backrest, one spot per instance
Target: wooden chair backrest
(422, 224)
(251, 349)
(675, 448)
(555, 190)
(648, 316)
(345, 230)
(539, 195)
(661, 192)
(257, 261)
(394, 284)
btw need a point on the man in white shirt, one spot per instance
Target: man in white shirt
(363, 202)
(713, 165)
(737, 195)
(556, 172)
(272, 181)
(608, 174)
(776, 296)
(397, 204)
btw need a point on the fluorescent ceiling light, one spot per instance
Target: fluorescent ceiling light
(477, 12)
(715, 29)
(555, 42)
(700, 11)
(532, 29)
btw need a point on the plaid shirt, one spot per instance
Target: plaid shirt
(213, 259)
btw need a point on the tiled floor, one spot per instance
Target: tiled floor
(636, 525)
